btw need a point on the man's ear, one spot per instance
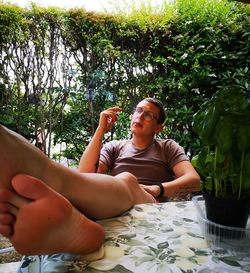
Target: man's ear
(158, 128)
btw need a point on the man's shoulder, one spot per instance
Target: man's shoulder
(164, 141)
(168, 144)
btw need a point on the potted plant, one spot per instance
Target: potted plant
(223, 125)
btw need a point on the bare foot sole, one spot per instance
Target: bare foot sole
(44, 221)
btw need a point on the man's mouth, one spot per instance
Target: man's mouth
(137, 124)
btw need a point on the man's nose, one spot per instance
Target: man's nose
(141, 115)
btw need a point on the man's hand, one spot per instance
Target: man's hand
(152, 189)
(108, 117)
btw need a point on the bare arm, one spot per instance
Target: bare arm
(187, 181)
(89, 162)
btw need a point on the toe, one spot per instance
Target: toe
(29, 187)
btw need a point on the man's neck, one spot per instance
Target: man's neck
(142, 142)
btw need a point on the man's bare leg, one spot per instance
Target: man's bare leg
(38, 220)
(96, 195)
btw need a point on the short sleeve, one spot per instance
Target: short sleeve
(174, 153)
(108, 153)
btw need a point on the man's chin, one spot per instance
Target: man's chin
(135, 129)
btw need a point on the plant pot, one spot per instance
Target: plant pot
(227, 212)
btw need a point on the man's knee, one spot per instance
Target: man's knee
(132, 186)
(128, 178)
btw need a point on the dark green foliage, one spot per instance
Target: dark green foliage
(225, 129)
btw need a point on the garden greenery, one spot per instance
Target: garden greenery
(223, 125)
(60, 68)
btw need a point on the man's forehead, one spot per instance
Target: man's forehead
(148, 106)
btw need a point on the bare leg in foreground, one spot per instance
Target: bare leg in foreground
(45, 222)
(96, 196)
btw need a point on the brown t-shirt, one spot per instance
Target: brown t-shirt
(152, 165)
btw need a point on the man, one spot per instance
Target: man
(160, 166)
(47, 208)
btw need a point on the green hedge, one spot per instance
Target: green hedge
(60, 68)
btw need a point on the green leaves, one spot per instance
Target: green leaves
(243, 137)
(246, 173)
(223, 125)
(181, 53)
(224, 133)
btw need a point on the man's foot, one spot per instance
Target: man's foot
(38, 220)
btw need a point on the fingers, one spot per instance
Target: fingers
(152, 189)
(111, 113)
(108, 117)
(115, 109)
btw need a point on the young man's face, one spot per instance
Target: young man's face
(145, 119)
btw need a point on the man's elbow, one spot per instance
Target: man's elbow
(196, 182)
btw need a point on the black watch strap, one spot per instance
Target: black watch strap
(161, 190)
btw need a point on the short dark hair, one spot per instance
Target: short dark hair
(160, 106)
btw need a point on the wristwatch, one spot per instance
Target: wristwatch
(161, 190)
